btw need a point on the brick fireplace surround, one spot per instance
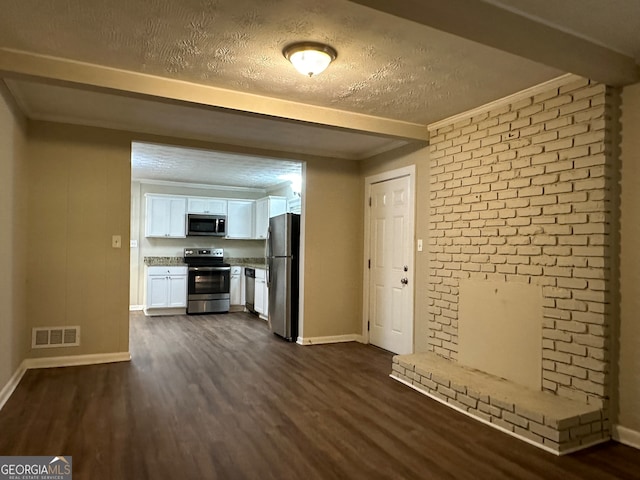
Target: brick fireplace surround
(524, 192)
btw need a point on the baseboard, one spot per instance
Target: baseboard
(626, 436)
(136, 308)
(53, 362)
(498, 427)
(11, 385)
(330, 339)
(77, 360)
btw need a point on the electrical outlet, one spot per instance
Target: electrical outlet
(116, 241)
(419, 244)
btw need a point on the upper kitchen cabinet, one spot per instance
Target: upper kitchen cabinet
(212, 206)
(265, 209)
(240, 219)
(165, 216)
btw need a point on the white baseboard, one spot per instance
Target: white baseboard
(626, 436)
(136, 308)
(352, 337)
(77, 360)
(11, 385)
(52, 362)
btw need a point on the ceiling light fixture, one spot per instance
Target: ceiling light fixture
(310, 58)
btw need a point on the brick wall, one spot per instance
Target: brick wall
(523, 193)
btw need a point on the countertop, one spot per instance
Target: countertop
(255, 262)
(164, 261)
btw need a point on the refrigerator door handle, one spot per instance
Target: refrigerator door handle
(269, 250)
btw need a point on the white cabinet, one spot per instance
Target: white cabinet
(261, 301)
(265, 209)
(165, 216)
(240, 218)
(237, 286)
(212, 206)
(166, 287)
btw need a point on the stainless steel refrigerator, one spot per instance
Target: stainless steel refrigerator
(283, 262)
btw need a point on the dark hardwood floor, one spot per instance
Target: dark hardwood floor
(219, 397)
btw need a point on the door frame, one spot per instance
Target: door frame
(409, 171)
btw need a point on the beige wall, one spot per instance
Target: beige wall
(333, 238)
(13, 219)
(391, 161)
(80, 186)
(79, 196)
(629, 344)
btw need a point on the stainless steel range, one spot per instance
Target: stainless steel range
(209, 281)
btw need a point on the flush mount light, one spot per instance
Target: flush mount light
(310, 58)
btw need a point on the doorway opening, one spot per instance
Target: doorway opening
(246, 189)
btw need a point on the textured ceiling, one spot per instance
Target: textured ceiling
(386, 67)
(189, 165)
(389, 71)
(612, 23)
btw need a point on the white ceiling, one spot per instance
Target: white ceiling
(189, 165)
(213, 70)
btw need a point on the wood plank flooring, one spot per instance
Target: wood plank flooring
(219, 397)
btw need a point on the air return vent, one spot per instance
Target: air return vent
(51, 337)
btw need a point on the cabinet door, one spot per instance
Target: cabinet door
(236, 286)
(165, 216)
(265, 302)
(262, 217)
(240, 218)
(265, 209)
(258, 302)
(277, 206)
(177, 295)
(157, 291)
(212, 206)
(178, 219)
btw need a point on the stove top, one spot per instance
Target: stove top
(204, 257)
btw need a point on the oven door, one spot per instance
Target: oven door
(208, 290)
(209, 280)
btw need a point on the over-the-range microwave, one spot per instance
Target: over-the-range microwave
(212, 225)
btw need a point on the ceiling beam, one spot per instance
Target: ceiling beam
(507, 31)
(28, 66)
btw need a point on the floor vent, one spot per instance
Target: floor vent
(52, 337)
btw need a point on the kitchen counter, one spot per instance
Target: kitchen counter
(164, 261)
(254, 262)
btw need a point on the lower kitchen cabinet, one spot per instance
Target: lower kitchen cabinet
(237, 286)
(261, 301)
(166, 287)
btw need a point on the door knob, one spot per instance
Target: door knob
(404, 280)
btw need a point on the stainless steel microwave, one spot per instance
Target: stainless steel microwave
(212, 225)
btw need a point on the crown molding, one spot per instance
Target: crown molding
(203, 186)
(522, 94)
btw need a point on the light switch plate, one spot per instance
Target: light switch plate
(116, 241)
(419, 244)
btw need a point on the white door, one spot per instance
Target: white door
(391, 256)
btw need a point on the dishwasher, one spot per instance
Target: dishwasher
(250, 288)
